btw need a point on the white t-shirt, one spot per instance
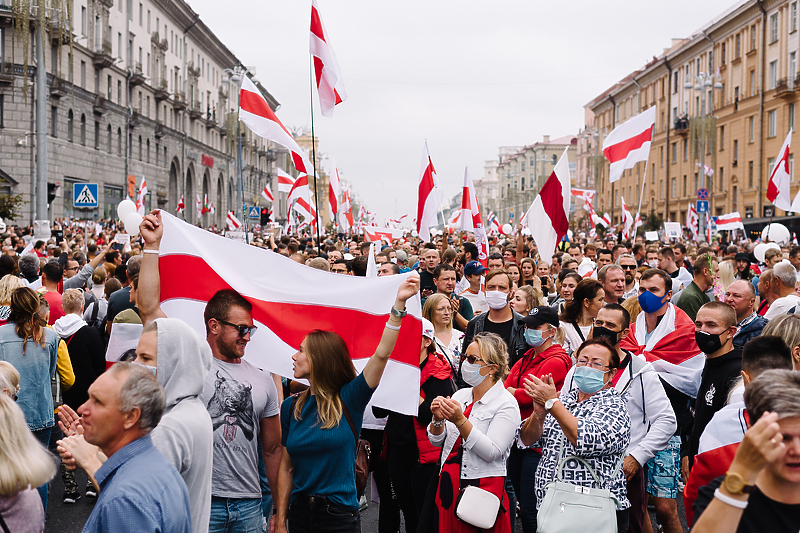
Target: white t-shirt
(783, 306)
(478, 301)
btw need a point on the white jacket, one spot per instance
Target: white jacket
(653, 421)
(495, 419)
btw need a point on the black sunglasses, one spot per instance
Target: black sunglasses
(628, 267)
(243, 329)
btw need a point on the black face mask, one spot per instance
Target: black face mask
(707, 342)
(612, 336)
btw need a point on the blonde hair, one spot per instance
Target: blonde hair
(786, 327)
(24, 462)
(632, 306)
(431, 303)
(330, 368)
(726, 274)
(72, 300)
(9, 378)
(7, 286)
(494, 351)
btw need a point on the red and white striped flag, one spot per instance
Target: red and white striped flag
(285, 181)
(708, 170)
(494, 224)
(627, 220)
(693, 221)
(330, 84)
(300, 189)
(233, 222)
(289, 301)
(181, 206)
(587, 195)
(374, 233)
(255, 112)
(454, 219)
(471, 217)
(334, 189)
(729, 221)
(346, 212)
(140, 197)
(267, 194)
(547, 218)
(778, 191)
(429, 197)
(629, 143)
(198, 204)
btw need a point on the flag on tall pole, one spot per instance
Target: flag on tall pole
(199, 207)
(267, 194)
(346, 211)
(429, 197)
(627, 219)
(547, 217)
(779, 181)
(140, 197)
(471, 217)
(629, 143)
(693, 221)
(285, 181)
(181, 206)
(233, 222)
(256, 114)
(330, 84)
(334, 190)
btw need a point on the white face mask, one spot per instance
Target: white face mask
(653, 263)
(496, 299)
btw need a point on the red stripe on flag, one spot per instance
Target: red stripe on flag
(620, 151)
(318, 66)
(553, 203)
(291, 322)
(426, 186)
(255, 104)
(316, 27)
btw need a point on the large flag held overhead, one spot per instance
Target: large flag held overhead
(255, 112)
(587, 195)
(471, 217)
(693, 221)
(330, 84)
(547, 217)
(285, 181)
(429, 197)
(375, 233)
(286, 312)
(629, 143)
(779, 181)
(233, 222)
(730, 221)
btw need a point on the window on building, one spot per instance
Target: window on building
(770, 165)
(736, 94)
(119, 93)
(753, 37)
(750, 174)
(83, 129)
(722, 138)
(684, 185)
(735, 152)
(695, 181)
(791, 116)
(109, 85)
(70, 119)
(522, 166)
(661, 188)
(772, 123)
(773, 28)
(141, 14)
(661, 155)
(773, 74)
(674, 153)
(108, 139)
(722, 56)
(148, 152)
(685, 150)
(140, 147)
(2, 109)
(674, 187)
(675, 82)
(83, 74)
(752, 83)
(721, 179)
(738, 48)
(752, 128)
(96, 135)
(793, 17)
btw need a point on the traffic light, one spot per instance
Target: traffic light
(51, 192)
(264, 216)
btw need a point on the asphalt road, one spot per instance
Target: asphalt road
(64, 518)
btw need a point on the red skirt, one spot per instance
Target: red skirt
(448, 490)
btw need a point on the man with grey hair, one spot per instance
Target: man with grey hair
(784, 278)
(140, 490)
(402, 259)
(628, 264)
(761, 489)
(613, 279)
(741, 295)
(29, 270)
(78, 272)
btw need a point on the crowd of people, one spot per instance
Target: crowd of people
(625, 374)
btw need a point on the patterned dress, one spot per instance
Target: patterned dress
(604, 432)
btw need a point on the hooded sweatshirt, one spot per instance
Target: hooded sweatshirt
(184, 434)
(86, 352)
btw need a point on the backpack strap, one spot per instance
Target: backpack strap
(349, 420)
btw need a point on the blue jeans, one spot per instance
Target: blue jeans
(522, 465)
(266, 493)
(235, 515)
(43, 436)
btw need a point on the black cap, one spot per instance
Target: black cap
(541, 315)
(741, 256)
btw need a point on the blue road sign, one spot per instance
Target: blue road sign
(702, 206)
(702, 194)
(85, 195)
(254, 212)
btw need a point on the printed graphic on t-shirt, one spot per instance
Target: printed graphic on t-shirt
(231, 407)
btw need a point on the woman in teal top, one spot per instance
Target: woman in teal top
(316, 481)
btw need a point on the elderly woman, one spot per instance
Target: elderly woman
(590, 422)
(475, 428)
(7, 286)
(447, 341)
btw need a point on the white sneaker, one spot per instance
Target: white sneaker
(362, 503)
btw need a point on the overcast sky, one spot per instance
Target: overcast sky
(468, 76)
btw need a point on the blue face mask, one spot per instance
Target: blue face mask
(589, 380)
(534, 337)
(650, 303)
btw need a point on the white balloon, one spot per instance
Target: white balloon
(125, 208)
(759, 251)
(414, 233)
(506, 229)
(132, 221)
(776, 232)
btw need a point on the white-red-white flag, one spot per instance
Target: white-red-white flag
(375, 233)
(627, 220)
(267, 194)
(330, 84)
(300, 189)
(181, 206)
(285, 181)
(255, 112)
(471, 217)
(454, 219)
(693, 221)
(493, 223)
(286, 313)
(429, 197)
(708, 171)
(779, 181)
(629, 143)
(587, 195)
(334, 189)
(198, 204)
(346, 211)
(547, 218)
(729, 222)
(233, 222)
(140, 197)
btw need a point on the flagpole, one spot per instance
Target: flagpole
(641, 196)
(239, 155)
(314, 150)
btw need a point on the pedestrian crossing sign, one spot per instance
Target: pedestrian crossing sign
(254, 212)
(85, 195)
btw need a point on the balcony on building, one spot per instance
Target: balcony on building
(681, 126)
(194, 110)
(58, 89)
(784, 88)
(102, 55)
(179, 101)
(137, 77)
(100, 105)
(161, 90)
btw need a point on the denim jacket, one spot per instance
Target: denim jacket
(36, 369)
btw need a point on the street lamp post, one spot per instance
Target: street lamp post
(703, 81)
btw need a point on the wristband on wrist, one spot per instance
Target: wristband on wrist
(393, 328)
(149, 251)
(437, 423)
(733, 502)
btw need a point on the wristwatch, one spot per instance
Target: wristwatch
(550, 403)
(734, 483)
(398, 313)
